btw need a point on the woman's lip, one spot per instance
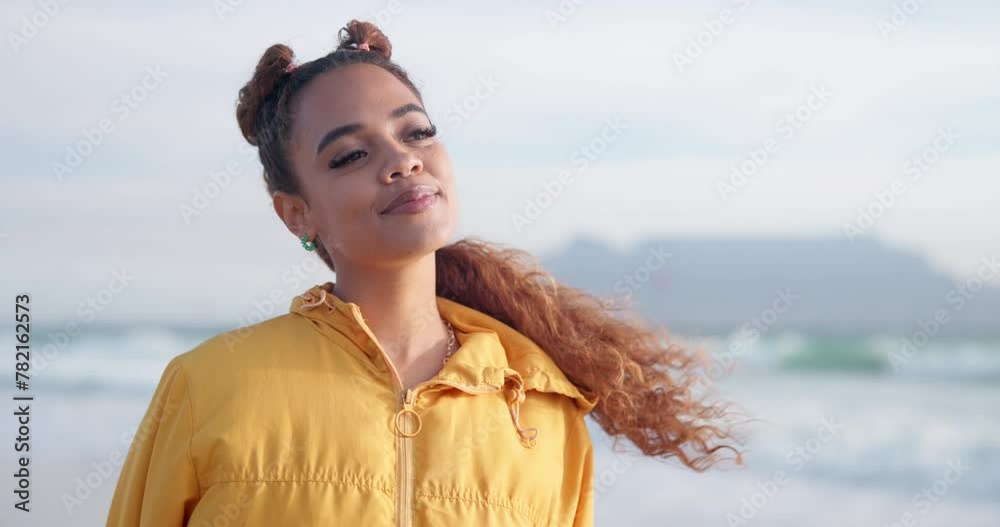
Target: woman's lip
(415, 206)
(410, 194)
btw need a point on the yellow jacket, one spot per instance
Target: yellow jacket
(300, 420)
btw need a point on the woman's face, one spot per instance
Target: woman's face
(360, 140)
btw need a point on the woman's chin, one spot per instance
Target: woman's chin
(419, 238)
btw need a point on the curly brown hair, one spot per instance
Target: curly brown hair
(646, 388)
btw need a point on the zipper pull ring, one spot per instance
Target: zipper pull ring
(407, 408)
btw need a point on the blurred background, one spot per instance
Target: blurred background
(806, 189)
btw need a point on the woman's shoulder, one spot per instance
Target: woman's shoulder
(264, 347)
(271, 360)
(247, 341)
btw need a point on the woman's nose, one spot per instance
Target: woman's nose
(403, 162)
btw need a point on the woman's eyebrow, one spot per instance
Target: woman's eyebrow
(332, 135)
(405, 109)
(339, 131)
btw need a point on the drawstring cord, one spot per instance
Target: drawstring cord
(308, 296)
(529, 436)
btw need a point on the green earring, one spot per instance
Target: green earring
(306, 243)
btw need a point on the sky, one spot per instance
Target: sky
(620, 121)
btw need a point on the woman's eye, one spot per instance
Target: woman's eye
(424, 133)
(343, 160)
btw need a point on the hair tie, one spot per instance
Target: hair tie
(291, 66)
(364, 47)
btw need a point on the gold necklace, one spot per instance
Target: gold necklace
(451, 342)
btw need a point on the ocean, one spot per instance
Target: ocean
(842, 430)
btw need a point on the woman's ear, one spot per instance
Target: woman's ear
(293, 211)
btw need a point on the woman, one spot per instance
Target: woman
(432, 384)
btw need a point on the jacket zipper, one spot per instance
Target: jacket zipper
(404, 476)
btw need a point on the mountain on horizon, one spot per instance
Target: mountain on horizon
(830, 285)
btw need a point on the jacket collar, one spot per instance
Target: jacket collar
(488, 347)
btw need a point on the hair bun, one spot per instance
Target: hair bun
(270, 70)
(356, 33)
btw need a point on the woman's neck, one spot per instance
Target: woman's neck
(399, 305)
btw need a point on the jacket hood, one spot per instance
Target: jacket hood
(493, 347)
